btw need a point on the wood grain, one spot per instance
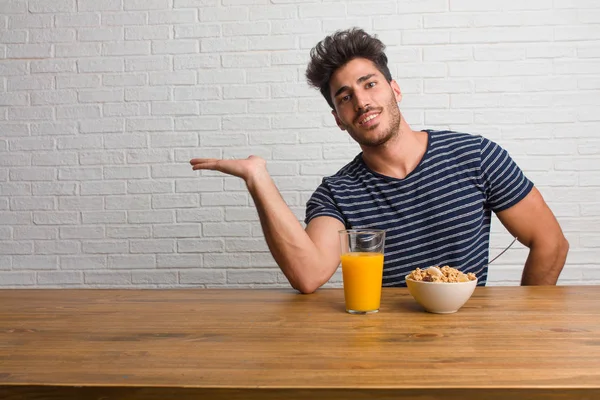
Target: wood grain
(528, 342)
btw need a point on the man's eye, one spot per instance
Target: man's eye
(371, 84)
(345, 98)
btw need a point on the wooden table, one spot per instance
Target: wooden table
(505, 343)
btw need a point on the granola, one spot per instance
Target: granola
(443, 274)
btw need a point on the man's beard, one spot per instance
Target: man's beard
(392, 130)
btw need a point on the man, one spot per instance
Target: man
(433, 192)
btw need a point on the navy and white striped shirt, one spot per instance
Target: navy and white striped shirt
(439, 214)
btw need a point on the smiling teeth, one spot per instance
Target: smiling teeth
(370, 117)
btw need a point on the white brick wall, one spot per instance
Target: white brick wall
(103, 102)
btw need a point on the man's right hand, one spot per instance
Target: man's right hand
(247, 169)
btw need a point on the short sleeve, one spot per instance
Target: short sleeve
(504, 182)
(321, 203)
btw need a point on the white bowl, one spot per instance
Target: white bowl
(441, 297)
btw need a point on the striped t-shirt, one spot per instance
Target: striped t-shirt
(439, 214)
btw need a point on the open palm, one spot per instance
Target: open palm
(242, 168)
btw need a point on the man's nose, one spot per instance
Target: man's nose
(361, 102)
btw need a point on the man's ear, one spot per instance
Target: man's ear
(338, 121)
(396, 90)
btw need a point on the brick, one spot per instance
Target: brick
(274, 12)
(32, 174)
(82, 232)
(155, 277)
(34, 232)
(81, 262)
(9, 279)
(178, 260)
(105, 247)
(245, 92)
(78, 81)
(31, 203)
(252, 276)
(15, 218)
(129, 141)
(102, 125)
(125, 18)
(246, 28)
(30, 113)
(57, 35)
(151, 217)
(15, 189)
(59, 278)
(247, 123)
(103, 34)
(146, 4)
(57, 247)
(126, 172)
(201, 215)
(175, 108)
(147, 94)
(55, 6)
(197, 123)
(149, 186)
(125, 110)
(99, 5)
(14, 99)
(171, 140)
(149, 124)
(147, 32)
(77, 50)
(199, 245)
(35, 262)
(104, 217)
(176, 231)
(175, 201)
(196, 93)
(102, 188)
(211, 45)
(149, 63)
(53, 97)
(252, 60)
(152, 246)
(128, 232)
(226, 260)
(129, 48)
(151, 156)
(13, 37)
(55, 159)
(79, 174)
(176, 46)
(196, 61)
(30, 21)
(197, 31)
(13, 7)
(199, 185)
(107, 278)
(203, 276)
(100, 65)
(127, 202)
(101, 158)
(175, 17)
(88, 142)
(80, 19)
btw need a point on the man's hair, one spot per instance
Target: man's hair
(337, 50)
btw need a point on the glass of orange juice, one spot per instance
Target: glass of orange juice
(362, 269)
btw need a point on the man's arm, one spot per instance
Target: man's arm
(308, 258)
(534, 224)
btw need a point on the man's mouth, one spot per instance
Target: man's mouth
(368, 119)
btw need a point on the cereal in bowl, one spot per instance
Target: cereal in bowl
(443, 274)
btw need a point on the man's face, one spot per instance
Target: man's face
(366, 105)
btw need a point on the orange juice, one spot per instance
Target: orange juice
(362, 274)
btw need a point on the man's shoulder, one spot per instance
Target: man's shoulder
(353, 171)
(453, 139)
